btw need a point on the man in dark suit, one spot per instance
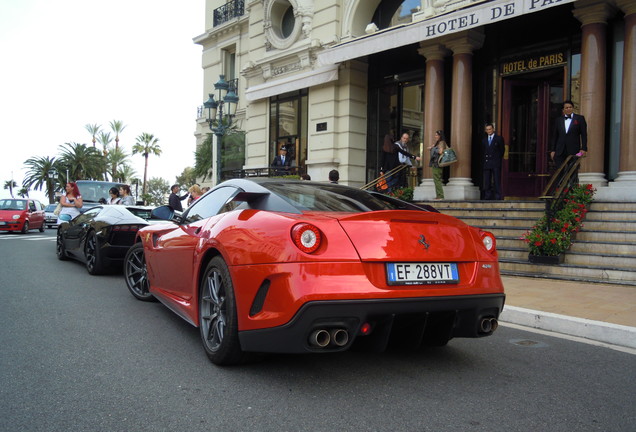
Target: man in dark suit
(282, 162)
(570, 135)
(492, 150)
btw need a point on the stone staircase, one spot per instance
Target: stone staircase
(604, 250)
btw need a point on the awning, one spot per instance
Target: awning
(430, 29)
(293, 82)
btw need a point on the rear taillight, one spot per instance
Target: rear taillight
(126, 228)
(306, 237)
(489, 241)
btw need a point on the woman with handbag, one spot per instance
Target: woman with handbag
(436, 150)
(71, 202)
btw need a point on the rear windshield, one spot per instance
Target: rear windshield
(308, 196)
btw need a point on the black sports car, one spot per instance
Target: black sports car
(101, 236)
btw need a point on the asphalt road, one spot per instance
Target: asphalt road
(79, 353)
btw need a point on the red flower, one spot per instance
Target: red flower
(553, 241)
(538, 243)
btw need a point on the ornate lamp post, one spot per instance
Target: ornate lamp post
(218, 120)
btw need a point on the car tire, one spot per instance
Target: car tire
(60, 250)
(218, 321)
(25, 227)
(136, 274)
(94, 263)
(42, 227)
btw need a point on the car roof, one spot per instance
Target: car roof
(271, 194)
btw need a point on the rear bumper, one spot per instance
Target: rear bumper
(415, 318)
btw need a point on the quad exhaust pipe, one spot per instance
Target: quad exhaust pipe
(488, 325)
(321, 338)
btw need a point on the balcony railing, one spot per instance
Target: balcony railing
(231, 9)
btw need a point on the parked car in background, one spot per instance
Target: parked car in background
(93, 191)
(268, 265)
(21, 215)
(101, 236)
(49, 217)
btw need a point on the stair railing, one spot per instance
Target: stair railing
(373, 183)
(560, 183)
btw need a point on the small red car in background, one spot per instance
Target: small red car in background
(21, 215)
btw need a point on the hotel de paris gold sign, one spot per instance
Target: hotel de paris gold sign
(533, 63)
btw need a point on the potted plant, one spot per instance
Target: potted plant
(548, 240)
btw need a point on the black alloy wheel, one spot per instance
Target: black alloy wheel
(94, 263)
(218, 322)
(136, 274)
(25, 227)
(60, 250)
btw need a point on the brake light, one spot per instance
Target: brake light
(306, 237)
(124, 228)
(489, 241)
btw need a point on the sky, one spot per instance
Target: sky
(68, 63)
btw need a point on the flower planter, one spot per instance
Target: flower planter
(545, 259)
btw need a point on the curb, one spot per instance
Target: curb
(614, 334)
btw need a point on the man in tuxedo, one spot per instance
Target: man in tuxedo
(282, 162)
(570, 135)
(492, 151)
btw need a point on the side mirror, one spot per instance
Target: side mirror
(163, 212)
(65, 217)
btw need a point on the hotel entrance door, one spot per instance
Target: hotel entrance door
(530, 103)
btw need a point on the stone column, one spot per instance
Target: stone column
(433, 111)
(460, 185)
(593, 15)
(624, 188)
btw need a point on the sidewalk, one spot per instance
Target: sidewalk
(601, 312)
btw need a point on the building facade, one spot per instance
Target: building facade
(330, 79)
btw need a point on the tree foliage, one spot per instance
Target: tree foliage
(37, 175)
(157, 190)
(82, 162)
(146, 145)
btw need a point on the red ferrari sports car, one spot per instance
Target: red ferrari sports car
(271, 265)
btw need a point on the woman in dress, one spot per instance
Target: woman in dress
(71, 202)
(126, 195)
(114, 196)
(436, 150)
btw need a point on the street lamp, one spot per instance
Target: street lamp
(52, 174)
(219, 121)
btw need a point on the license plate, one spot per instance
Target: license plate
(422, 273)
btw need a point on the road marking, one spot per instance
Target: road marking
(29, 238)
(568, 337)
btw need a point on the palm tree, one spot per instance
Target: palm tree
(146, 144)
(104, 139)
(23, 192)
(10, 184)
(116, 159)
(81, 161)
(126, 173)
(93, 129)
(37, 175)
(117, 126)
(203, 159)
